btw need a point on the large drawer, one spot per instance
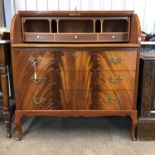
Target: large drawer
(72, 79)
(75, 100)
(75, 60)
(117, 60)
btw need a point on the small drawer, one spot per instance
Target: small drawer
(114, 37)
(38, 37)
(28, 58)
(76, 37)
(117, 60)
(116, 100)
(113, 80)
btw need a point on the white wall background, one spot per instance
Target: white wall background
(144, 8)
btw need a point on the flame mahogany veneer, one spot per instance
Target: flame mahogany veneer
(75, 63)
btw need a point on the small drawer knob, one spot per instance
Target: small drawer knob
(113, 37)
(75, 37)
(38, 37)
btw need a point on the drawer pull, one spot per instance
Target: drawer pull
(38, 37)
(37, 80)
(116, 79)
(113, 37)
(115, 60)
(75, 37)
(39, 100)
(117, 100)
(35, 60)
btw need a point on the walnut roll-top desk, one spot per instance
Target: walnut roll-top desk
(75, 63)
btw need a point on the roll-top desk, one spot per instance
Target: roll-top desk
(77, 63)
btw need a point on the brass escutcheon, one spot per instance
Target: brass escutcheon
(115, 60)
(35, 60)
(37, 80)
(117, 100)
(39, 100)
(116, 79)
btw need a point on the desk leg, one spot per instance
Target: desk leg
(6, 104)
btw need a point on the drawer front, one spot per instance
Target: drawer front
(75, 100)
(76, 37)
(75, 60)
(38, 37)
(76, 79)
(114, 37)
(116, 80)
(116, 100)
(44, 60)
(117, 60)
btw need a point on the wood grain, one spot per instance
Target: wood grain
(75, 80)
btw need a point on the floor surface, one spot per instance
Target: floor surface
(74, 136)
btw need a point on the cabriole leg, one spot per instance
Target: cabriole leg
(133, 117)
(18, 118)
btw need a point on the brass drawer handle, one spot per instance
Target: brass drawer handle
(39, 100)
(35, 60)
(115, 60)
(116, 79)
(37, 80)
(117, 100)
